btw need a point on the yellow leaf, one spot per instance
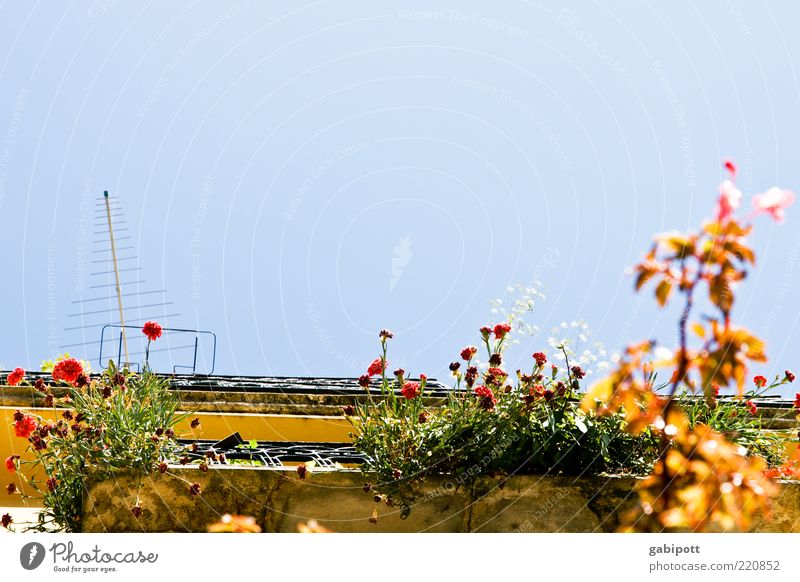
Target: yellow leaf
(699, 330)
(663, 291)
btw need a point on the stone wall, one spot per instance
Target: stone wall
(280, 500)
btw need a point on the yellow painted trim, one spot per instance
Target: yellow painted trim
(213, 426)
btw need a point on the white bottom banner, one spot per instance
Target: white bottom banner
(412, 556)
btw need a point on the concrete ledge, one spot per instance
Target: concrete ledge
(279, 500)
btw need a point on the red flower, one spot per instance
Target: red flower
(423, 417)
(485, 331)
(501, 329)
(152, 330)
(468, 353)
(385, 334)
(751, 406)
(15, 377)
(715, 389)
(136, 510)
(760, 381)
(541, 358)
(363, 381)
(789, 376)
(194, 489)
(11, 488)
(6, 520)
(487, 398)
(375, 368)
(410, 390)
(24, 427)
(51, 484)
(797, 401)
(578, 372)
(162, 467)
(68, 371)
(730, 166)
(302, 470)
(195, 423)
(11, 465)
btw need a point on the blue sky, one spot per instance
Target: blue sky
(296, 176)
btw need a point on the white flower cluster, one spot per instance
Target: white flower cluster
(521, 302)
(579, 343)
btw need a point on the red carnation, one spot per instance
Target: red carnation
(302, 470)
(541, 358)
(6, 520)
(363, 381)
(487, 399)
(194, 489)
(751, 406)
(152, 330)
(68, 371)
(11, 488)
(136, 510)
(715, 389)
(51, 484)
(501, 329)
(760, 381)
(578, 372)
(25, 426)
(410, 390)
(797, 401)
(15, 377)
(11, 465)
(485, 331)
(195, 423)
(789, 376)
(468, 353)
(375, 368)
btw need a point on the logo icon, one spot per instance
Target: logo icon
(31, 555)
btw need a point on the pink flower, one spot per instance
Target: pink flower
(485, 397)
(411, 390)
(152, 330)
(468, 352)
(501, 329)
(375, 368)
(730, 166)
(15, 377)
(729, 199)
(773, 202)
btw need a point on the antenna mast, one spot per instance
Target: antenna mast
(116, 275)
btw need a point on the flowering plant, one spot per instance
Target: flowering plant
(117, 420)
(702, 480)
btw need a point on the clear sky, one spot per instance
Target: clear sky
(295, 176)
